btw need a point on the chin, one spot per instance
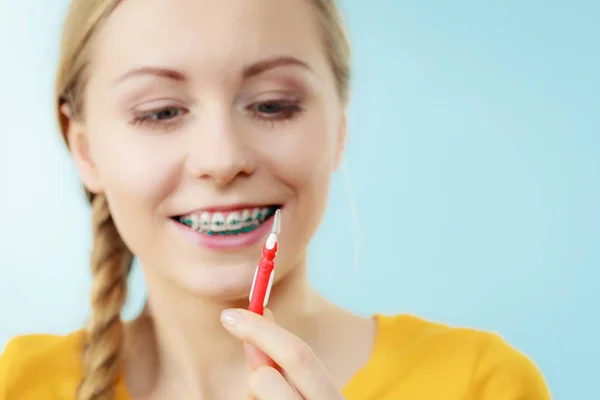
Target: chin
(229, 282)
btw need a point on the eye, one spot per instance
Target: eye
(164, 117)
(269, 108)
(164, 114)
(276, 110)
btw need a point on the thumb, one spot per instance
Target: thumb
(268, 314)
(256, 357)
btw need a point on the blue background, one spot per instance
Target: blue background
(470, 193)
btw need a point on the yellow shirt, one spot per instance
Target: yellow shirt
(412, 359)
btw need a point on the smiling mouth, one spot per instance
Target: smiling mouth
(233, 222)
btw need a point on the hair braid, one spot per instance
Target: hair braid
(110, 264)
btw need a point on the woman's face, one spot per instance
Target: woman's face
(211, 113)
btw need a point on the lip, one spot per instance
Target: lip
(226, 208)
(225, 242)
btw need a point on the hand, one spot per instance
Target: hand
(290, 370)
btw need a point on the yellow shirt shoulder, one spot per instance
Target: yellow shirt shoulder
(418, 359)
(412, 359)
(35, 367)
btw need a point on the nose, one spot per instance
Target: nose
(219, 152)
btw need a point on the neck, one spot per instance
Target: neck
(189, 340)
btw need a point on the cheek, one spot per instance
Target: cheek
(137, 174)
(307, 157)
(305, 161)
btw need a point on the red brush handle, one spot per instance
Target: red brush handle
(261, 287)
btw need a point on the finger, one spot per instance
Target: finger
(256, 357)
(299, 362)
(268, 314)
(267, 383)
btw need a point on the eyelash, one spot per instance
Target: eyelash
(285, 110)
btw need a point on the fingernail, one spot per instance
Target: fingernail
(230, 318)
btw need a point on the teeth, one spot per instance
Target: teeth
(233, 221)
(205, 221)
(246, 217)
(218, 222)
(228, 223)
(195, 222)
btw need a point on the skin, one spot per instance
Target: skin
(229, 132)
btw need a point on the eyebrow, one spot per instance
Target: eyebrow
(270, 63)
(155, 71)
(248, 72)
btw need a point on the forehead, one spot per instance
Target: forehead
(214, 35)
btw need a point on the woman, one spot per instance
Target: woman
(190, 122)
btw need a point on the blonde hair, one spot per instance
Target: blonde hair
(111, 259)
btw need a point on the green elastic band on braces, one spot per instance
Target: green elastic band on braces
(235, 232)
